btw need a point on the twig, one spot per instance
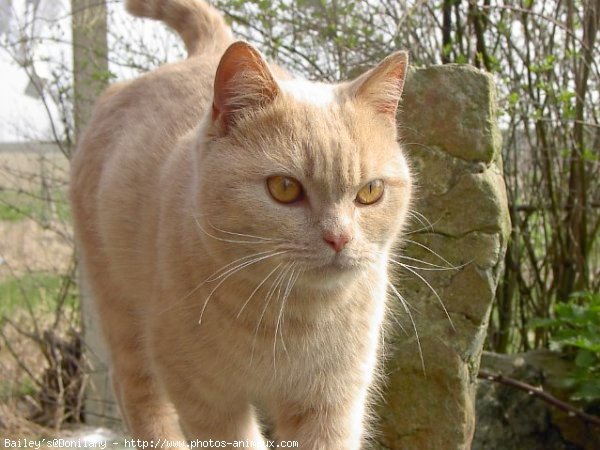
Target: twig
(34, 337)
(65, 287)
(538, 392)
(25, 297)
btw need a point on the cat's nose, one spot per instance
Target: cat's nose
(337, 241)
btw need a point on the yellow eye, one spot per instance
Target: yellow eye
(284, 189)
(370, 192)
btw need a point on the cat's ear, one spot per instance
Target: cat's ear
(243, 81)
(381, 87)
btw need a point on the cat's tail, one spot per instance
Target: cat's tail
(200, 25)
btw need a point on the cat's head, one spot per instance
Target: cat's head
(305, 176)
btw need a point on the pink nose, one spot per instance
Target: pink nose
(337, 241)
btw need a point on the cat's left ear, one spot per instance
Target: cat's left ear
(381, 87)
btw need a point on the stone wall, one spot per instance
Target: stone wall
(449, 130)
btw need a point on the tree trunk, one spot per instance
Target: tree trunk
(574, 274)
(90, 61)
(90, 74)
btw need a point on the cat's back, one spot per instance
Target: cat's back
(134, 128)
(142, 119)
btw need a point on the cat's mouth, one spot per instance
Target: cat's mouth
(338, 263)
(332, 273)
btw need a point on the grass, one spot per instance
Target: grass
(39, 290)
(19, 205)
(24, 387)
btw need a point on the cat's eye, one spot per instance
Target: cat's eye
(284, 189)
(370, 192)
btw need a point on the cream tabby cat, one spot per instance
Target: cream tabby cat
(234, 226)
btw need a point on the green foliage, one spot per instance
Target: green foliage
(589, 155)
(105, 76)
(324, 40)
(546, 65)
(575, 330)
(567, 101)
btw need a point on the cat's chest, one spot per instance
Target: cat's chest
(300, 322)
(267, 353)
(330, 354)
(335, 340)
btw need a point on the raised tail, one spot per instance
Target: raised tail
(200, 25)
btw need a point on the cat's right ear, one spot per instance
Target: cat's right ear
(243, 82)
(381, 87)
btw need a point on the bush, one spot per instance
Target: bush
(575, 331)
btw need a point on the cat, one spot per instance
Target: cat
(234, 225)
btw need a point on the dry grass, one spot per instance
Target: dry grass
(28, 247)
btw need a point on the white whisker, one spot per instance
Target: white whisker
(232, 241)
(288, 270)
(270, 293)
(399, 324)
(279, 327)
(430, 287)
(423, 228)
(404, 304)
(214, 277)
(421, 218)
(420, 261)
(245, 235)
(231, 272)
(202, 283)
(427, 269)
(256, 290)
(429, 250)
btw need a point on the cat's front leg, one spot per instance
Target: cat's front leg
(208, 413)
(322, 427)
